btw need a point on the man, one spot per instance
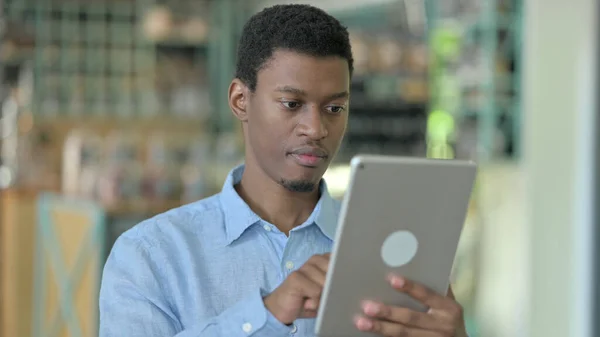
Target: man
(251, 260)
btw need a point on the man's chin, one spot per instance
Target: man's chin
(302, 179)
(299, 185)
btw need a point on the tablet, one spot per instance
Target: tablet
(400, 215)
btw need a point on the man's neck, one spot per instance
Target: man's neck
(273, 202)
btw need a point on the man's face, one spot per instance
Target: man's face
(296, 117)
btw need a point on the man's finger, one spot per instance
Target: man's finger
(406, 317)
(314, 273)
(305, 285)
(420, 293)
(312, 304)
(384, 328)
(321, 261)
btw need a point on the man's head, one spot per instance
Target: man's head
(291, 92)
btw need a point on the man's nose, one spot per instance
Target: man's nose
(313, 124)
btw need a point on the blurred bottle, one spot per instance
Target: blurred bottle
(195, 173)
(158, 23)
(161, 182)
(81, 166)
(189, 95)
(361, 50)
(228, 150)
(122, 175)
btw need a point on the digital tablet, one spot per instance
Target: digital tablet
(400, 215)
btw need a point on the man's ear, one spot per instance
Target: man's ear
(238, 99)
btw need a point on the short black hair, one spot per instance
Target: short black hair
(300, 28)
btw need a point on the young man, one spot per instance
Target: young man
(251, 260)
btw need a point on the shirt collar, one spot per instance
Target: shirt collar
(238, 215)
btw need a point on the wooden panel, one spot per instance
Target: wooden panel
(73, 234)
(17, 247)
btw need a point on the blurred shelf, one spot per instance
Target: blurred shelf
(385, 106)
(10, 55)
(108, 120)
(488, 65)
(24, 192)
(180, 43)
(503, 21)
(393, 74)
(128, 208)
(375, 17)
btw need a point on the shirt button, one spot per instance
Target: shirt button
(267, 228)
(247, 327)
(294, 329)
(289, 265)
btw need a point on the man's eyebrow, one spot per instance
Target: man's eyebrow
(343, 94)
(291, 90)
(300, 92)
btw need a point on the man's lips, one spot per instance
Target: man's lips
(310, 157)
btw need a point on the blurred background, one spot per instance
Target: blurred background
(113, 111)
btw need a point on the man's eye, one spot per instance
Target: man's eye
(336, 109)
(291, 105)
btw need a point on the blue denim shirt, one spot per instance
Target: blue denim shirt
(201, 270)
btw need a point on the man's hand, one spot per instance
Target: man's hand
(443, 319)
(299, 295)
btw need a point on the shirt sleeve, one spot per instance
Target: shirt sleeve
(132, 303)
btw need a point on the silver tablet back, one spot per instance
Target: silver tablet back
(401, 215)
